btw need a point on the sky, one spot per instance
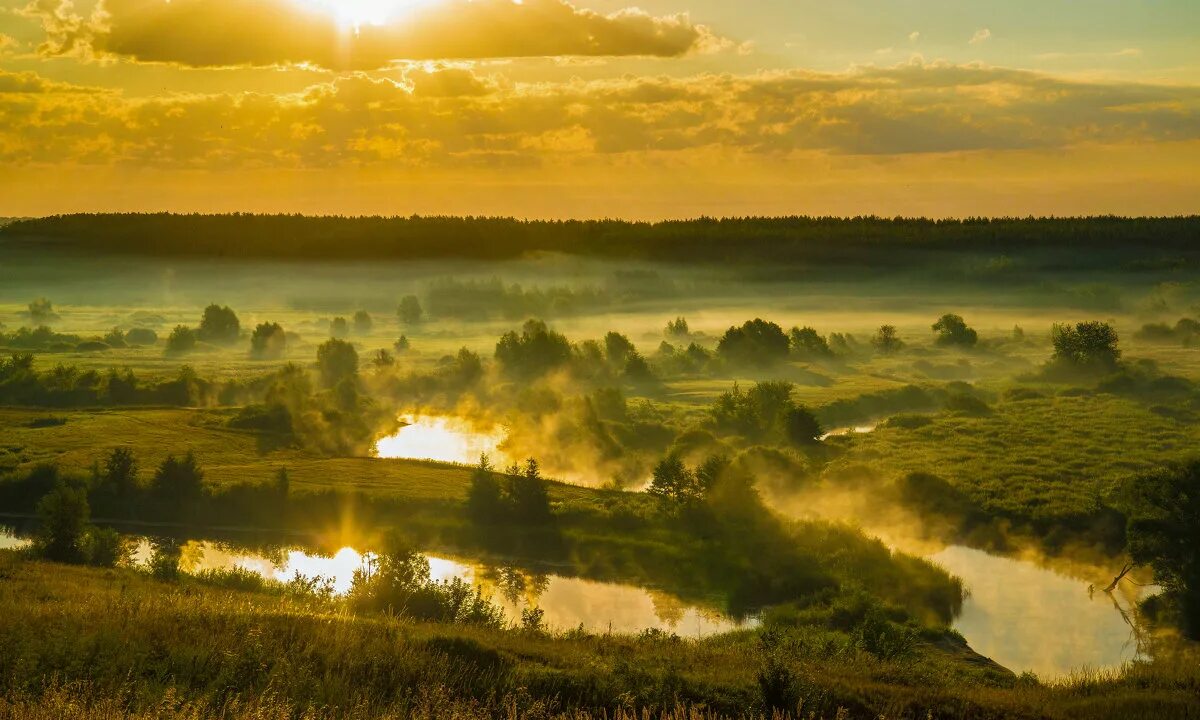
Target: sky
(601, 108)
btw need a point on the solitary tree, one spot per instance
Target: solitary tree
(219, 325)
(952, 330)
(362, 322)
(886, 340)
(410, 311)
(672, 481)
(339, 328)
(1086, 345)
(337, 361)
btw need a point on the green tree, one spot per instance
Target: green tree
(268, 340)
(410, 311)
(1164, 533)
(952, 330)
(219, 325)
(181, 340)
(64, 516)
(886, 341)
(757, 342)
(178, 482)
(534, 351)
(530, 495)
(337, 360)
(362, 322)
(1086, 345)
(672, 481)
(485, 499)
(808, 344)
(120, 471)
(339, 328)
(678, 328)
(801, 427)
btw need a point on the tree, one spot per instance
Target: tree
(529, 495)
(402, 345)
(678, 328)
(41, 312)
(808, 344)
(283, 484)
(181, 340)
(618, 349)
(410, 311)
(178, 482)
(268, 340)
(219, 325)
(757, 342)
(339, 328)
(1164, 532)
(120, 471)
(362, 323)
(337, 361)
(533, 352)
(64, 520)
(672, 481)
(485, 499)
(141, 336)
(1086, 345)
(886, 340)
(801, 427)
(952, 330)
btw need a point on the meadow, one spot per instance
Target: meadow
(721, 433)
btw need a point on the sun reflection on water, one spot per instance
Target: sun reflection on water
(445, 439)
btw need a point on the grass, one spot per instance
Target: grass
(117, 643)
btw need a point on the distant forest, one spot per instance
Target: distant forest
(1095, 243)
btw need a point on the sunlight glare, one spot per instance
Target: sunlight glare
(444, 439)
(357, 13)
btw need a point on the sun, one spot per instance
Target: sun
(359, 13)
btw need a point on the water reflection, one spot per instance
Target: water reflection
(567, 602)
(855, 430)
(1027, 617)
(441, 438)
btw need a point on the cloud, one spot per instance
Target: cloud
(221, 33)
(981, 36)
(452, 117)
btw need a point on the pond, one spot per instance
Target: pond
(567, 602)
(441, 438)
(1029, 617)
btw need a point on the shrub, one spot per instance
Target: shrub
(106, 547)
(181, 340)
(141, 336)
(64, 519)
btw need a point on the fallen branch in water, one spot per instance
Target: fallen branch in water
(1120, 576)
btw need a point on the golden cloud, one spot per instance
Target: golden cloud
(452, 117)
(222, 33)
